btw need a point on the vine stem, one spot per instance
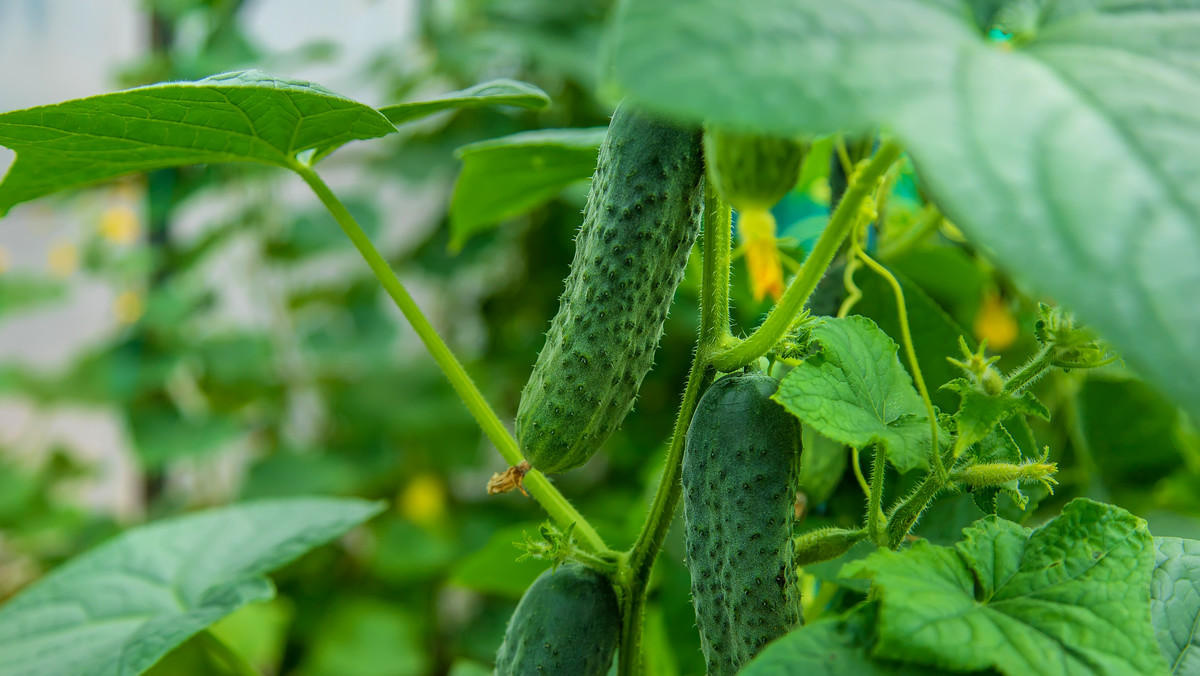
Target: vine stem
(714, 330)
(1031, 371)
(911, 353)
(555, 504)
(876, 519)
(840, 224)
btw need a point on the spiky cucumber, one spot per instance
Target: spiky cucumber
(740, 465)
(568, 622)
(641, 220)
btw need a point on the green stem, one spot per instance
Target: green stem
(911, 353)
(1031, 371)
(844, 219)
(905, 515)
(876, 520)
(555, 504)
(714, 331)
(714, 289)
(237, 665)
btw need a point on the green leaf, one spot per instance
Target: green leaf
(508, 176)
(978, 413)
(1070, 151)
(831, 647)
(245, 116)
(1078, 588)
(1131, 431)
(118, 609)
(822, 465)
(1175, 602)
(493, 93)
(855, 392)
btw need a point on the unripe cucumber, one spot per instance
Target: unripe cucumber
(752, 171)
(568, 622)
(739, 480)
(641, 220)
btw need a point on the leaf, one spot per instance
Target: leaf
(367, 637)
(855, 392)
(935, 334)
(1131, 431)
(244, 116)
(822, 465)
(494, 93)
(1072, 151)
(1007, 597)
(1175, 602)
(978, 414)
(831, 647)
(508, 176)
(119, 608)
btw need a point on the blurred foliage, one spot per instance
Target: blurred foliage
(327, 391)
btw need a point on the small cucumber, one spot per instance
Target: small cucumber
(752, 171)
(740, 466)
(568, 622)
(641, 221)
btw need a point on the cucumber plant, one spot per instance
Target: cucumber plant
(1019, 140)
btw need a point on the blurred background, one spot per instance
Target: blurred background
(204, 335)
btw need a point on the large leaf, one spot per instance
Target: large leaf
(831, 647)
(1175, 602)
(1072, 151)
(118, 609)
(493, 93)
(508, 176)
(245, 116)
(1077, 589)
(855, 392)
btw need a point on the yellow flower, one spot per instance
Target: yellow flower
(756, 228)
(995, 323)
(129, 307)
(63, 259)
(119, 224)
(424, 500)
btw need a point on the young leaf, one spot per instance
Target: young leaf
(508, 176)
(493, 93)
(244, 116)
(118, 609)
(1006, 597)
(978, 414)
(1068, 151)
(1175, 602)
(855, 391)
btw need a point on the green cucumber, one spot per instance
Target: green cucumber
(752, 171)
(641, 221)
(568, 622)
(740, 465)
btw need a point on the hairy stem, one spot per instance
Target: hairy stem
(714, 330)
(906, 513)
(876, 520)
(1031, 371)
(555, 504)
(844, 219)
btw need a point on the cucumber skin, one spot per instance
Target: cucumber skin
(568, 622)
(752, 171)
(740, 468)
(641, 221)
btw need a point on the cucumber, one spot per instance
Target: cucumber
(752, 171)
(740, 465)
(641, 221)
(568, 622)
